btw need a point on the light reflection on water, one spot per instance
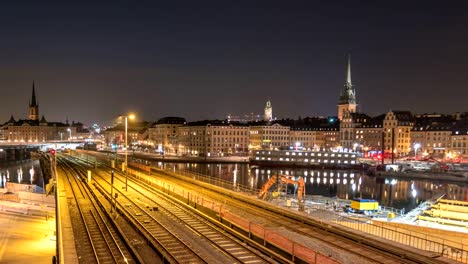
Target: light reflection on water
(397, 193)
(27, 172)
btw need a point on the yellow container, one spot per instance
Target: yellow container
(391, 215)
(363, 204)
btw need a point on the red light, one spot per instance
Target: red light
(52, 151)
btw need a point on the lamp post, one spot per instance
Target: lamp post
(131, 116)
(416, 146)
(69, 130)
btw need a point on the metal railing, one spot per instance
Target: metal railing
(427, 242)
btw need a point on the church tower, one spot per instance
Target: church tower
(33, 107)
(347, 101)
(268, 112)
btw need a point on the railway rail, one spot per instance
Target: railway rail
(381, 252)
(336, 237)
(185, 236)
(105, 245)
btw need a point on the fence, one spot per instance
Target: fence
(439, 246)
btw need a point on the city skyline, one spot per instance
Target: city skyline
(202, 62)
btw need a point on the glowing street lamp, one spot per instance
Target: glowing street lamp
(131, 116)
(416, 146)
(69, 131)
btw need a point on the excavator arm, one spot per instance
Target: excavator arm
(283, 178)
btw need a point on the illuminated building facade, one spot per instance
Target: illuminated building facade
(163, 134)
(213, 138)
(397, 127)
(32, 129)
(264, 136)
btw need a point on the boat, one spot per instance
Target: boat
(309, 159)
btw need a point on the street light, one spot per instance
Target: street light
(416, 146)
(131, 116)
(69, 130)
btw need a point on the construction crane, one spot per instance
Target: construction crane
(284, 179)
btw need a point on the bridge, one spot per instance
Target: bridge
(10, 151)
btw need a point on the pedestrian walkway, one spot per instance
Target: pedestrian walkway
(66, 239)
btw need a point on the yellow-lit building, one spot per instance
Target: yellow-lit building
(430, 135)
(163, 134)
(213, 138)
(136, 132)
(397, 127)
(33, 130)
(459, 141)
(266, 136)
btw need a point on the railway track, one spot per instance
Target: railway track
(372, 251)
(380, 252)
(187, 237)
(103, 243)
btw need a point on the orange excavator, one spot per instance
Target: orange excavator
(283, 179)
(439, 166)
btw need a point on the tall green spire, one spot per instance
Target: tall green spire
(348, 94)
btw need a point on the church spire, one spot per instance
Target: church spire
(33, 98)
(347, 100)
(348, 94)
(348, 71)
(33, 107)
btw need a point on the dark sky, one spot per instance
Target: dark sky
(204, 59)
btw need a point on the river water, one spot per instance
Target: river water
(391, 192)
(24, 172)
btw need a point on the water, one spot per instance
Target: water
(389, 192)
(25, 172)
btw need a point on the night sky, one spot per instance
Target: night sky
(205, 59)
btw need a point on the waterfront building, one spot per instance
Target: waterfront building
(263, 135)
(371, 134)
(347, 101)
(136, 132)
(213, 138)
(351, 136)
(313, 132)
(430, 135)
(397, 126)
(32, 129)
(459, 140)
(163, 134)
